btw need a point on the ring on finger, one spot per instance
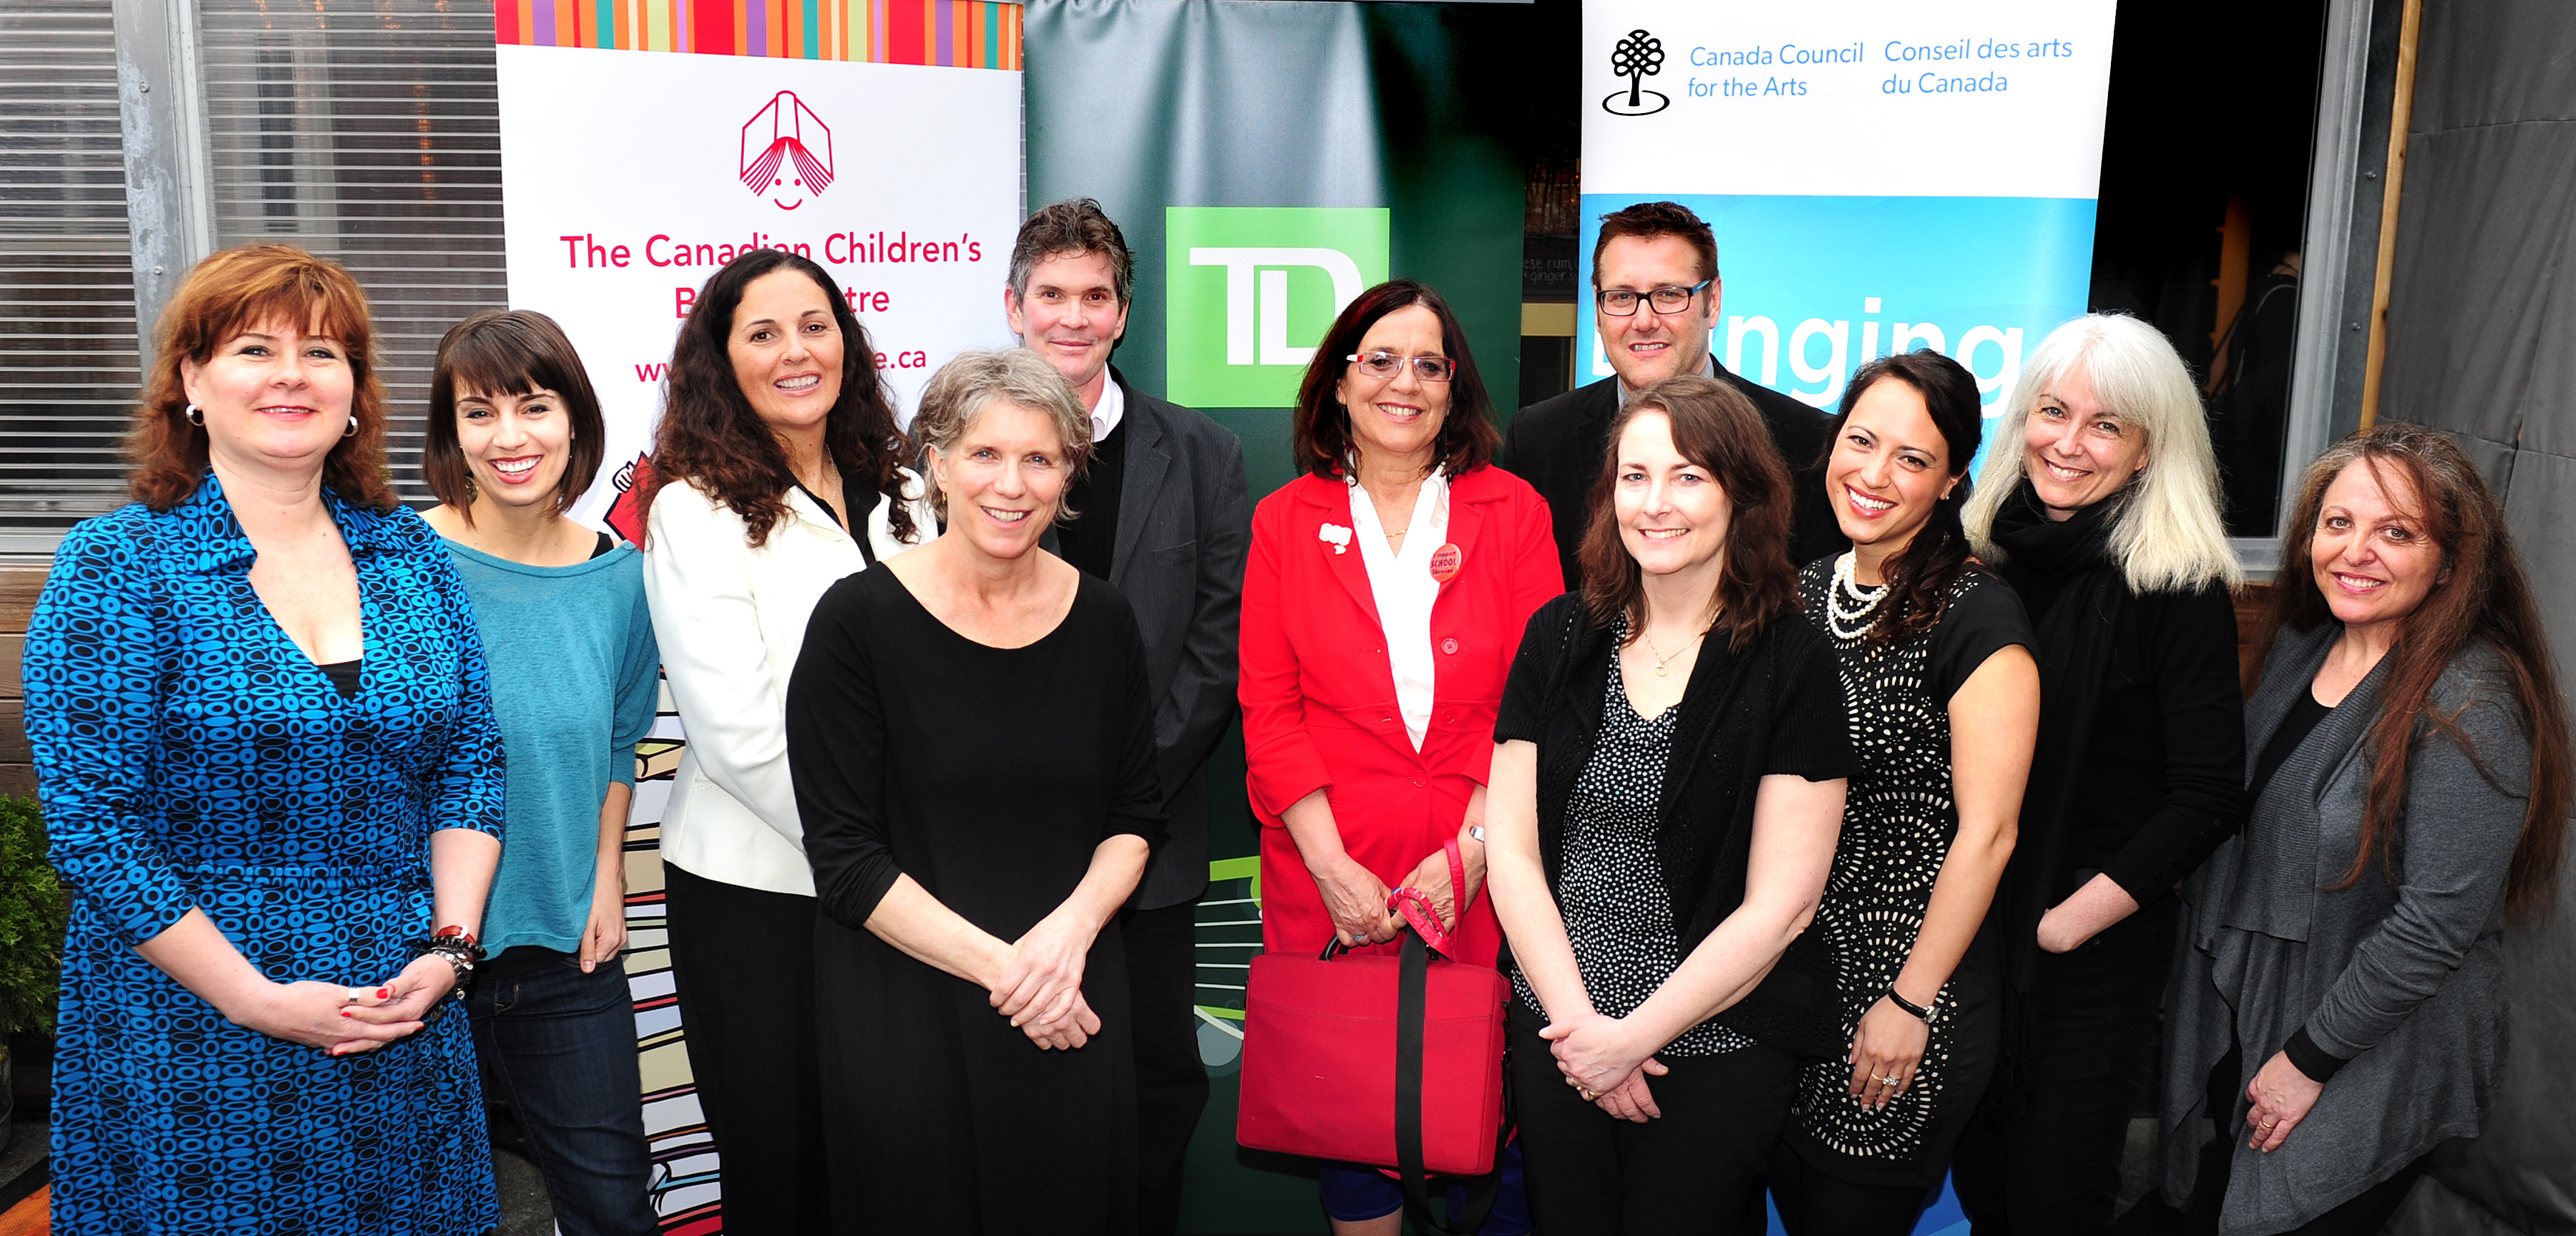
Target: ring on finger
(1588, 1096)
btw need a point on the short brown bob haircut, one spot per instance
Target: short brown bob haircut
(1320, 429)
(1647, 220)
(231, 292)
(1717, 428)
(512, 352)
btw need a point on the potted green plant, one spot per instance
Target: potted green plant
(32, 914)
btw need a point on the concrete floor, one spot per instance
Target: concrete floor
(524, 1210)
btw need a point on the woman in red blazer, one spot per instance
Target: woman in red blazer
(1384, 599)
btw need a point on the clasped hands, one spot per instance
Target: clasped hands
(1357, 900)
(1041, 990)
(1607, 1062)
(347, 1020)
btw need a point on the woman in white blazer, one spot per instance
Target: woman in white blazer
(776, 441)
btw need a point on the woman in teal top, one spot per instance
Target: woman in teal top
(515, 436)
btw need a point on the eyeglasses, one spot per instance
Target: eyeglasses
(1383, 364)
(1622, 303)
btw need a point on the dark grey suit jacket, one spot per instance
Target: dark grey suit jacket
(1557, 445)
(1184, 527)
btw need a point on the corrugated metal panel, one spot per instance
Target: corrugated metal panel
(68, 364)
(368, 133)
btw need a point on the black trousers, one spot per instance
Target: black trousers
(1171, 1080)
(1814, 1203)
(2042, 1155)
(1698, 1169)
(742, 960)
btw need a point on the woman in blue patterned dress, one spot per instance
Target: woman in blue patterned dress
(265, 747)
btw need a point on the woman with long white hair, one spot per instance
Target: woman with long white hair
(2100, 505)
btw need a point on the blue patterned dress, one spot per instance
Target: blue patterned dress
(188, 754)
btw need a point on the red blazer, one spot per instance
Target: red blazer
(1319, 708)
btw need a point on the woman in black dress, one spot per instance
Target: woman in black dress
(1944, 701)
(973, 749)
(1667, 781)
(2099, 504)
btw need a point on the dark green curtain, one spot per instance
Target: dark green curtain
(1410, 119)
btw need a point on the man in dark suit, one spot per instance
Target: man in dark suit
(1163, 517)
(1657, 262)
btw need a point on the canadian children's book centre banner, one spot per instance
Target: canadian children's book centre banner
(644, 144)
(1882, 176)
(630, 175)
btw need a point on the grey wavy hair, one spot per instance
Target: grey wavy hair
(2168, 533)
(975, 380)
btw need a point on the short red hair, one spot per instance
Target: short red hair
(226, 294)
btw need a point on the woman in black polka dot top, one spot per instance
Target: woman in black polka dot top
(1943, 697)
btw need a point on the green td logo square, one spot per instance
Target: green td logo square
(1249, 291)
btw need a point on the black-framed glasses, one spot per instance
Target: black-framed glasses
(1670, 298)
(1384, 364)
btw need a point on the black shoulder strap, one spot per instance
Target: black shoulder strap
(1412, 999)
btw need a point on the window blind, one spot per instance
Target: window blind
(368, 133)
(68, 364)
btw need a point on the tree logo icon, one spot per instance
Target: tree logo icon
(1637, 57)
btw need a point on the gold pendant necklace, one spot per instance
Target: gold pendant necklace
(1660, 659)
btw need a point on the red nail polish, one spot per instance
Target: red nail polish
(344, 1012)
(384, 993)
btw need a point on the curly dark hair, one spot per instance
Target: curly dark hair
(1919, 576)
(1320, 428)
(231, 292)
(710, 435)
(1716, 427)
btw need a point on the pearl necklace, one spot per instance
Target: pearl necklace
(1864, 615)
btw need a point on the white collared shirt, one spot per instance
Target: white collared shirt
(1405, 591)
(1111, 409)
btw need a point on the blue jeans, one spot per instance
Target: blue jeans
(562, 1044)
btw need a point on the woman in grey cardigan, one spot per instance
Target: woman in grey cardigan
(2340, 1008)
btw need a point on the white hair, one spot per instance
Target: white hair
(2168, 533)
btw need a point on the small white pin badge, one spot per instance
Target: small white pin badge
(1336, 536)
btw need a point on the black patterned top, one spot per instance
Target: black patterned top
(1898, 822)
(1618, 914)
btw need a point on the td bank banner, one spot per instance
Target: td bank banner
(1882, 175)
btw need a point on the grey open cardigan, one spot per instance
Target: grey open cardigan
(2404, 978)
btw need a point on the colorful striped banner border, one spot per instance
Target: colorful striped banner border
(964, 34)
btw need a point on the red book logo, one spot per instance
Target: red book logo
(786, 152)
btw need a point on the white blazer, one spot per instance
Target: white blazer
(730, 619)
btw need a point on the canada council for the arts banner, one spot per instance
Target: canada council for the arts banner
(1882, 175)
(645, 143)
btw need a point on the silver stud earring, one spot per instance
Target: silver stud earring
(196, 415)
(352, 430)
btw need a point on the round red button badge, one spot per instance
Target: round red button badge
(1444, 562)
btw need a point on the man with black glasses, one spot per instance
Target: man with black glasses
(1655, 295)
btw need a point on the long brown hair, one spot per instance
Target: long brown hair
(710, 435)
(2481, 597)
(226, 294)
(1717, 428)
(1919, 576)
(1319, 431)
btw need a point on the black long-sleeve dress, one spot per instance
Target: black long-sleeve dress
(988, 775)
